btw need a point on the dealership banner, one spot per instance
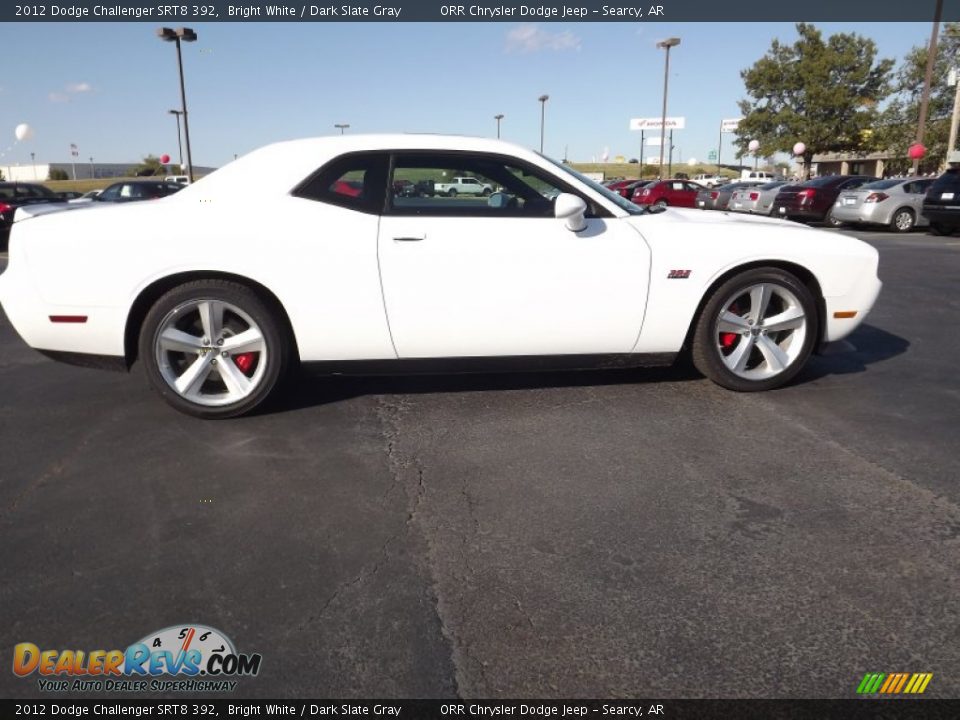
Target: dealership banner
(180, 707)
(650, 11)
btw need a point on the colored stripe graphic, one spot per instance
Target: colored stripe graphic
(894, 683)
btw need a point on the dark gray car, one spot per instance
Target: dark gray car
(718, 198)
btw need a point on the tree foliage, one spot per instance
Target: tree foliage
(899, 120)
(823, 93)
(151, 165)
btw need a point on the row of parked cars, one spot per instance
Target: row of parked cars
(900, 204)
(17, 194)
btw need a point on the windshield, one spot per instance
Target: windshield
(617, 199)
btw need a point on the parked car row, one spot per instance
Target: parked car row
(901, 204)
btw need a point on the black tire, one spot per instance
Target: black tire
(903, 220)
(452, 192)
(273, 330)
(487, 192)
(831, 221)
(661, 204)
(706, 352)
(940, 229)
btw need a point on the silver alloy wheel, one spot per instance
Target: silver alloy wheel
(903, 220)
(210, 352)
(761, 331)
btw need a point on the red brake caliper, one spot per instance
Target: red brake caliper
(727, 339)
(244, 361)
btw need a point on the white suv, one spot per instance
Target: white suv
(710, 180)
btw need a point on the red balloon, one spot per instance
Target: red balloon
(164, 159)
(916, 151)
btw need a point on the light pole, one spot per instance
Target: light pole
(33, 162)
(177, 114)
(91, 168)
(177, 36)
(341, 126)
(666, 45)
(498, 118)
(543, 111)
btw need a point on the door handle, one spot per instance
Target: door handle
(410, 239)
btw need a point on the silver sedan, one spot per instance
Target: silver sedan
(894, 202)
(757, 200)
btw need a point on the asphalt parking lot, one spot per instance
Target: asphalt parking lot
(640, 533)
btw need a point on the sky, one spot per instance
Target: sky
(107, 87)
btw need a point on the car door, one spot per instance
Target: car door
(915, 192)
(501, 276)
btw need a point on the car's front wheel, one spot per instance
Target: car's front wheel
(756, 331)
(213, 349)
(660, 205)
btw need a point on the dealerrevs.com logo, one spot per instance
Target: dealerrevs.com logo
(186, 658)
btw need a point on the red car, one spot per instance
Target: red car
(618, 186)
(678, 193)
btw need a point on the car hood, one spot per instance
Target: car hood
(673, 216)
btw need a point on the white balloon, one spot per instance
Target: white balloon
(754, 145)
(799, 148)
(23, 132)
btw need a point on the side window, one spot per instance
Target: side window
(111, 193)
(676, 186)
(423, 184)
(920, 186)
(356, 181)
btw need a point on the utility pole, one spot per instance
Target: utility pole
(927, 79)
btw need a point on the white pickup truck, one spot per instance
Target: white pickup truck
(710, 180)
(462, 186)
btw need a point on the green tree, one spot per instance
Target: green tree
(823, 93)
(898, 122)
(150, 166)
(57, 174)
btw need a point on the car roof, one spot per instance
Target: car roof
(282, 165)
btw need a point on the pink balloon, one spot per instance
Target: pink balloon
(799, 148)
(916, 151)
(164, 158)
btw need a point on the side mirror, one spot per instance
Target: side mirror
(571, 209)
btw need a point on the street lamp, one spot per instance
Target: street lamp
(177, 36)
(341, 126)
(666, 45)
(33, 162)
(498, 118)
(177, 114)
(543, 110)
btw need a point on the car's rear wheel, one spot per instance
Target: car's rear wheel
(903, 220)
(213, 349)
(756, 331)
(833, 222)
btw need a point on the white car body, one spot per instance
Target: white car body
(353, 289)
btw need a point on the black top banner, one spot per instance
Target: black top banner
(652, 709)
(648, 11)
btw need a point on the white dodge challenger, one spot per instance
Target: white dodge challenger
(336, 253)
